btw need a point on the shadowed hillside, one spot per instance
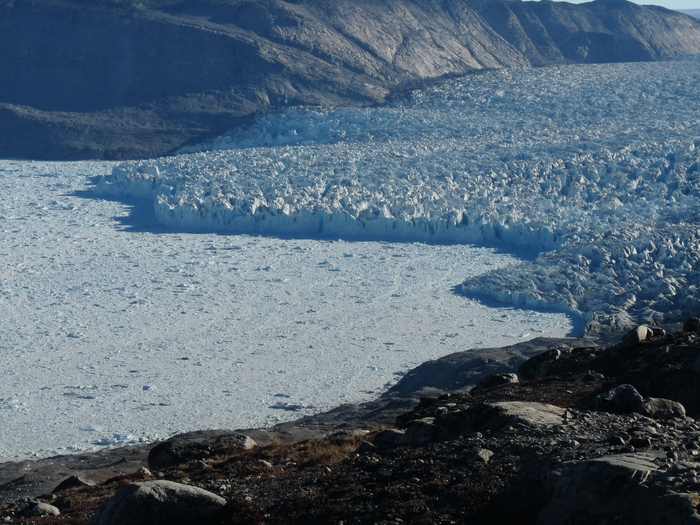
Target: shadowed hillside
(119, 79)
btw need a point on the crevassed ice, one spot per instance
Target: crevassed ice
(596, 166)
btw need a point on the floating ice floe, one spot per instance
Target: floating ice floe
(597, 167)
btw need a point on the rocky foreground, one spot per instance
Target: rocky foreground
(584, 435)
(126, 79)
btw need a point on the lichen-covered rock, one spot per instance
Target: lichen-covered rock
(495, 417)
(538, 366)
(496, 380)
(158, 503)
(479, 455)
(615, 485)
(636, 336)
(72, 482)
(662, 408)
(623, 399)
(37, 510)
(195, 446)
(524, 414)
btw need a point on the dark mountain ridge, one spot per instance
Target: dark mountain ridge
(118, 79)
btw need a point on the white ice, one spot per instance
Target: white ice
(597, 167)
(114, 330)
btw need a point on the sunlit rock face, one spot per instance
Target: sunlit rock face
(121, 79)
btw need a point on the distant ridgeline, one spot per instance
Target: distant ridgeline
(125, 79)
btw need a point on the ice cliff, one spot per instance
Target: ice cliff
(595, 167)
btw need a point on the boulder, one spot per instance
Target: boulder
(623, 399)
(538, 366)
(636, 336)
(195, 446)
(662, 408)
(692, 325)
(158, 503)
(417, 433)
(423, 431)
(391, 438)
(496, 380)
(73, 482)
(591, 491)
(37, 510)
(479, 455)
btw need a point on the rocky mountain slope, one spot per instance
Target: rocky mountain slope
(116, 79)
(584, 435)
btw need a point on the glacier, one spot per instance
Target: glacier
(595, 167)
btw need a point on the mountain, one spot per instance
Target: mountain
(549, 33)
(118, 79)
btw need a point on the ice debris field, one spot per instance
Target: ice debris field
(114, 330)
(597, 167)
(314, 257)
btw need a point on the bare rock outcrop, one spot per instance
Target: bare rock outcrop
(196, 446)
(118, 79)
(496, 380)
(573, 446)
(614, 485)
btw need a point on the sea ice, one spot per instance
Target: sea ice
(115, 330)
